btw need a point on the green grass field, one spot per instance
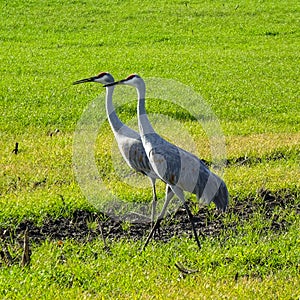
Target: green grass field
(241, 57)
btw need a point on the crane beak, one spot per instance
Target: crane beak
(114, 83)
(91, 79)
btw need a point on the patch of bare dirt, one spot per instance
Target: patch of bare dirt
(84, 226)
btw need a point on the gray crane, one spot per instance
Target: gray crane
(128, 140)
(180, 169)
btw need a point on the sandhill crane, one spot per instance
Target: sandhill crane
(128, 140)
(180, 169)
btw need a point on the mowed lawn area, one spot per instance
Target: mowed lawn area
(241, 58)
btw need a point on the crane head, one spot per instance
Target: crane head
(103, 78)
(132, 80)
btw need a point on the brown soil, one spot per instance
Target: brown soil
(85, 226)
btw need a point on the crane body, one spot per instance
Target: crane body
(180, 169)
(128, 140)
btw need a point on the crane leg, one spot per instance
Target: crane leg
(180, 195)
(192, 223)
(154, 201)
(169, 196)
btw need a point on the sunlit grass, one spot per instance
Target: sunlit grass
(241, 59)
(42, 172)
(229, 266)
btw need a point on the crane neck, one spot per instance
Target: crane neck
(115, 123)
(145, 126)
